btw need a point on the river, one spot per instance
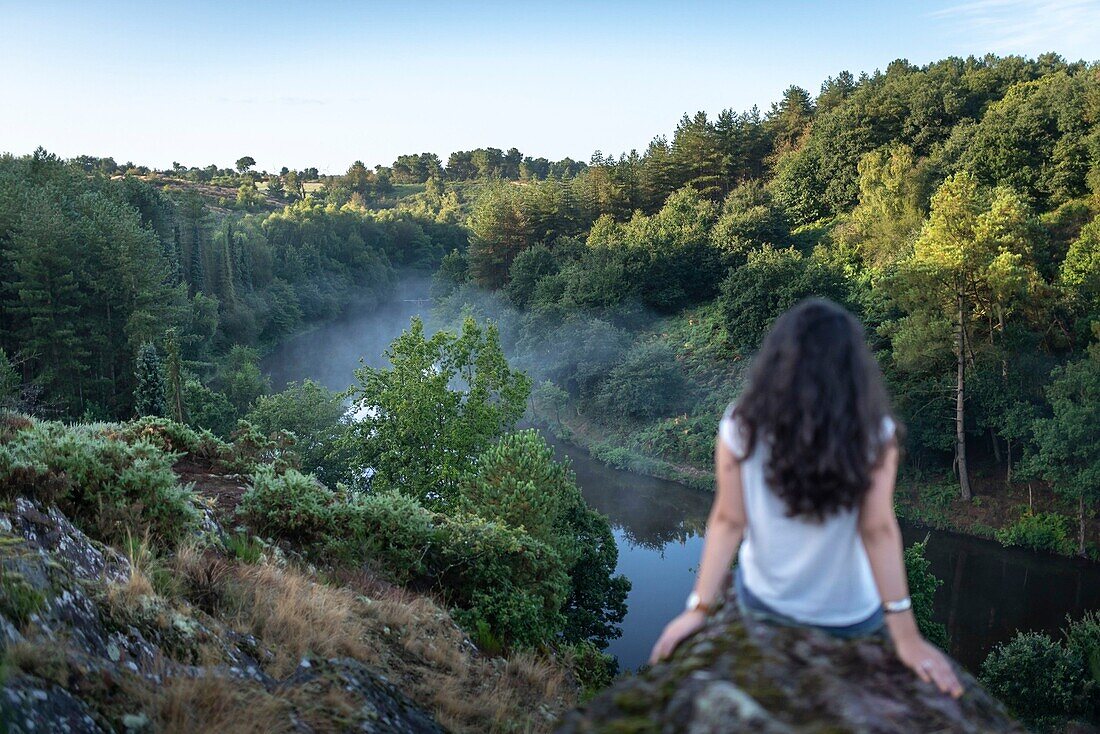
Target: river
(989, 592)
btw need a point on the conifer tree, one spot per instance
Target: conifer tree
(148, 382)
(174, 375)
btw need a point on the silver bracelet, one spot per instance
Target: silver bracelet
(895, 607)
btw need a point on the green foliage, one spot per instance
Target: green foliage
(110, 488)
(648, 383)
(443, 401)
(1046, 681)
(517, 482)
(290, 506)
(208, 409)
(314, 416)
(593, 668)
(497, 578)
(245, 548)
(769, 283)
(18, 599)
(528, 267)
(1045, 531)
(1067, 444)
(149, 385)
(243, 381)
(922, 590)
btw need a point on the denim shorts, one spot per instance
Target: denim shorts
(752, 607)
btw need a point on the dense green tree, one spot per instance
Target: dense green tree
(443, 400)
(245, 162)
(518, 482)
(770, 282)
(149, 384)
(315, 416)
(1068, 442)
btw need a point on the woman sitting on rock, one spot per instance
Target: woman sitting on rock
(806, 461)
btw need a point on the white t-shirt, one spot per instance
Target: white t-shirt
(814, 572)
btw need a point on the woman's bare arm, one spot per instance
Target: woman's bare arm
(725, 528)
(878, 527)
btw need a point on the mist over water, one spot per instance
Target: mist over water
(331, 353)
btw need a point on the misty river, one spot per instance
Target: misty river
(989, 592)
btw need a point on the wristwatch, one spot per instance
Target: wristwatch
(894, 607)
(695, 603)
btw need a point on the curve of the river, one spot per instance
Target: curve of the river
(989, 592)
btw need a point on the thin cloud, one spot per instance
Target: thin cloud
(1028, 26)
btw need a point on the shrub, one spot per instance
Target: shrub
(290, 506)
(498, 579)
(109, 488)
(592, 668)
(648, 383)
(1035, 676)
(1046, 531)
(518, 482)
(172, 437)
(922, 590)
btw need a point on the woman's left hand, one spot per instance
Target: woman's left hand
(675, 632)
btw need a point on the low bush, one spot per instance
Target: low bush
(922, 589)
(110, 488)
(1046, 681)
(1045, 531)
(1036, 677)
(289, 506)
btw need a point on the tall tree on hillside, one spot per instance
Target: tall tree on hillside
(501, 228)
(245, 162)
(1068, 442)
(789, 119)
(149, 387)
(971, 260)
(173, 375)
(892, 202)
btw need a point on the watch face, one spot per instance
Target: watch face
(692, 602)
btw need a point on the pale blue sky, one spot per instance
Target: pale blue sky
(324, 83)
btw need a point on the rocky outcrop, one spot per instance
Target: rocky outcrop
(739, 675)
(76, 659)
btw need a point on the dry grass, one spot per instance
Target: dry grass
(212, 704)
(407, 637)
(138, 585)
(297, 616)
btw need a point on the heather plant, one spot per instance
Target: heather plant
(108, 487)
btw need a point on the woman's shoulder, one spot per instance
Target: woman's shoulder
(729, 430)
(889, 427)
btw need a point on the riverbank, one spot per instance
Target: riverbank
(1015, 514)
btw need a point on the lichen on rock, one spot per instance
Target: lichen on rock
(743, 675)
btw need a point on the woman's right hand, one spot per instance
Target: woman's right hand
(676, 632)
(930, 665)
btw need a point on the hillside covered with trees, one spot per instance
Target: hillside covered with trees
(953, 207)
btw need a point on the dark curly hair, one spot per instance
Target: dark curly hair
(816, 395)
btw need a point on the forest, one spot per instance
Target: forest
(954, 207)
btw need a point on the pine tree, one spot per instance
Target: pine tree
(174, 374)
(148, 382)
(225, 276)
(198, 276)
